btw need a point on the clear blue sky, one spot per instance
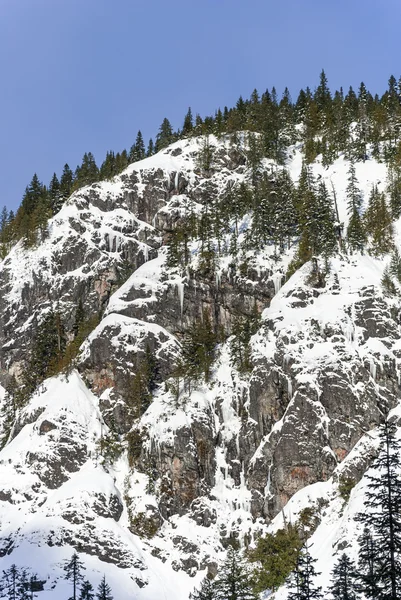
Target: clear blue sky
(85, 75)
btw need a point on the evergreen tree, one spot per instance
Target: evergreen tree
(278, 555)
(151, 150)
(344, 579)
(254, 157)
(32, 196)
(362, 130)
(137, 151)
(369, 565)
(234, 580)
(394, 188)
(165, 137)
(207, 591)
(301, 582)
(73, 572)
(322, 95)
(11, 581)
(355, 232)
(66, 182)
(104, 590)
(378, 223)
(55, 198)
(316, 217)
(108, 168)
(198, 349)
(188, 124)
(382, 515)
(86, 591)
(47, 350)
(79, 317)
(87, 172)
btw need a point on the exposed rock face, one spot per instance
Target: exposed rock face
(205, 465)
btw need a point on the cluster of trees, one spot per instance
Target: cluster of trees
(19, 584)
(82, 589)
(283, 213)
(50, 353)
(354, 123)
(40, 201)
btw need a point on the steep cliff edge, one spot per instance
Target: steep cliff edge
(201, 466)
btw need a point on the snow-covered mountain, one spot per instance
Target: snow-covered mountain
(224, 460)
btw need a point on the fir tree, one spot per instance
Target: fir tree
(198, 349)
(277, 554)
(87, 172)
(137, 151)
(151, 149)
(382, 515)
(206, 591)
(355, 232)
(86, 591)
(344, 579)
(234, 581)
(188, 124)
(104, 590)
(55, 198)
(378, 223)
(322, 95)
(66, 182)
(254, 157)
(73, 572)
(302, 583)
(11, 580)
(165, 137)
(369, 565)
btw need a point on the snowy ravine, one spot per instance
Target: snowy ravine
(223, 461)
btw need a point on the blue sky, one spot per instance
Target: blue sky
(85, 75)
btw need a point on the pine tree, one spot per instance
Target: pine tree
(47, 350)
(104, 590)
(11, 579)
(301, 582)
(151, 149)
(316, 217)
(137, 151)
(198, 349)
(108, 168)
(254, 157)
(378, 223)
(87, 172)
(277, 554)
(369, 565)
(355, 231)
(188, 124)
(165, 137)
(73, 572)
(66, 182)
(79, 317)
(382, 515)
(234, 580)
(344, 579)
(86, 591)
(33, 194)
(55, 198)
(206, 591)
(322, 95)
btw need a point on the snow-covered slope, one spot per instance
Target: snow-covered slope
(205, 465)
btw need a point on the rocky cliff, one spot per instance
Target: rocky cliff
(203, 465)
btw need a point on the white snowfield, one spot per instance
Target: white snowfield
(89, 504)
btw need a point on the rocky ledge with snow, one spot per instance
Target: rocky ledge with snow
(224, 460)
